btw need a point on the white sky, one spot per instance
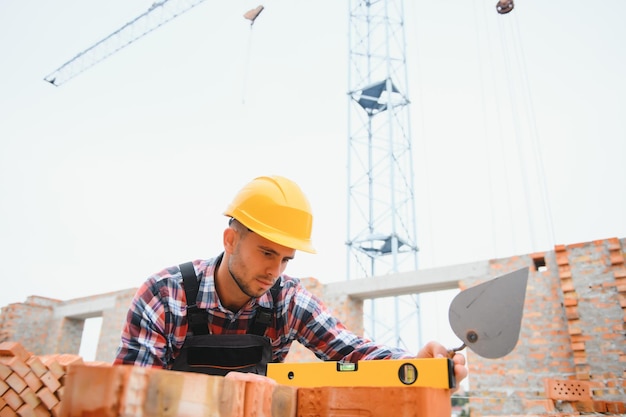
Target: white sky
(126, 169)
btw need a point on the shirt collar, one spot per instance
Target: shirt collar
(209, 298)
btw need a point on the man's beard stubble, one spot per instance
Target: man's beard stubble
(244, 287)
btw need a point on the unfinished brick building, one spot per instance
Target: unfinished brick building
(570, 358)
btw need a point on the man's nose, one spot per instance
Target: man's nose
(274, 269)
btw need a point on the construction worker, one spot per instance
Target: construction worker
(239, 310)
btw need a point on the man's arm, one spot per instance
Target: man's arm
(151, 328)
(327, 337)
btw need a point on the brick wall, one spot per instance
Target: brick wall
(573, 328)
(112, 321)
(28, 322)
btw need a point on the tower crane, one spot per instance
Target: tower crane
(159, 13)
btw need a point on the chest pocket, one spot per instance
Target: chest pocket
(220, 354)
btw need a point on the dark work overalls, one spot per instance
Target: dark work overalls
(219, 354)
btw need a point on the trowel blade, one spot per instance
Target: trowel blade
(488, 316)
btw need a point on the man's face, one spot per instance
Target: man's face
(256, 262)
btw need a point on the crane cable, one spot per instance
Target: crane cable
(534, 136)
(513, 58)
(526, 98)
(246, 68)
(250, 15)
(481, 70)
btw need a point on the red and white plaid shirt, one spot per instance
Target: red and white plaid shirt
(156, 324)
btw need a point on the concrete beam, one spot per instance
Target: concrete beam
(85, 308)
(413, 282)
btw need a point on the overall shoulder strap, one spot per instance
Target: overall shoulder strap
(263, 317)
(198, 319)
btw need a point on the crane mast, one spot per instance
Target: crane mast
(157, 15)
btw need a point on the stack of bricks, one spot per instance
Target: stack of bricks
(112, 391)
(31, 386)
(65, 386)
(122, 390)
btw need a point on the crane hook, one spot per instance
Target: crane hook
(504, 6)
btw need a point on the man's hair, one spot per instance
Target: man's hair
(238, 227)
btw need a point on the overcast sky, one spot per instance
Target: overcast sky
(519, 133)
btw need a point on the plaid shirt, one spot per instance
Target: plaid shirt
(156, 324)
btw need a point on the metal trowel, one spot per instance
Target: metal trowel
(488, 316)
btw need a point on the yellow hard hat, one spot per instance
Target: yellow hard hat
(277, 209)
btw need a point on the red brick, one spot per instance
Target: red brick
(53, 366)
(373, 401)
(566, 390)
(14, 349)
(582, 372)
(571, 313)
(47, 397)
(36, 366)
(561, 258)
(613, 243)
(33, 381)
(3, 387)
(563, 271)
(567, 285)
(42, 411)
(83, 397)
(570, 301)
(30, 398)
(599, 406)
(548, 405)
(7, 412)
(12, 399)
(56, 411)
(16, 382)
(26, 411)
(50, 381)
(572, 329)
(284, 401)
(258, 393)
(584, 406)
(16, 364)
(5, 371)
(615, 407)
(616, 258)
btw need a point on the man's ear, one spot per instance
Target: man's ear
(230, 239)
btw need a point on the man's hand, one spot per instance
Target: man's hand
(437, 350)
